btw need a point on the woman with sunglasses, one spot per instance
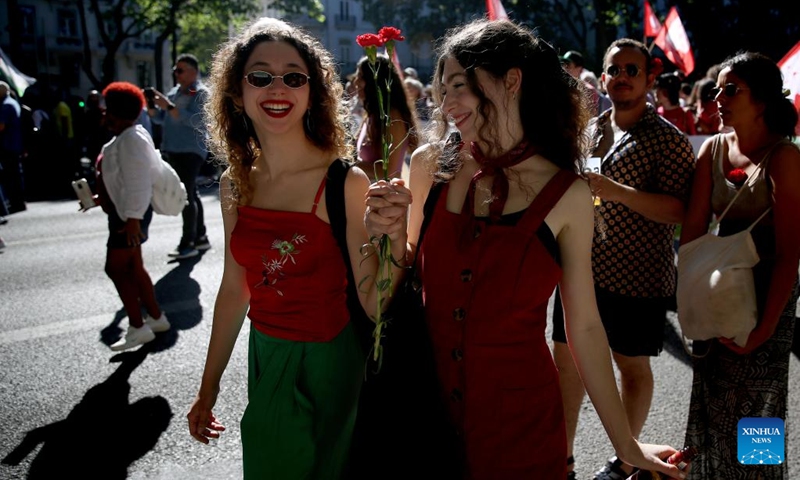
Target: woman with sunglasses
(277, 116)
(512, 220)
(403, 127)
(732, 382)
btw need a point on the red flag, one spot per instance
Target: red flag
(651, 24)
(496, 10)
(790, 68)
(672, 39)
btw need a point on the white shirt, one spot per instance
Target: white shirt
(131, 164)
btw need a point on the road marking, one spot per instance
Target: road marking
(81, 324)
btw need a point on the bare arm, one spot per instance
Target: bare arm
(784, 173)
(586, 335)
(230, 308)
(365, 268)
(659, 207)
(698, 213)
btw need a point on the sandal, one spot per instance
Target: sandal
(613, 470)
(571, 474)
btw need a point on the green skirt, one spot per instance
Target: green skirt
(302, 406)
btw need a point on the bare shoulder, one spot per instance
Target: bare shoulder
(574, 208)
(356, 183)
(784, 164)
(425, 156)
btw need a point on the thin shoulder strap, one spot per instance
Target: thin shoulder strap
(547, 199)
(319, 192)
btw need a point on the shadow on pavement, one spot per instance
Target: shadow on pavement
(673, 344)
(179, 295)
(103, 434)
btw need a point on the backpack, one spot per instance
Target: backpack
(169, 193)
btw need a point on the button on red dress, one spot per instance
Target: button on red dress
(486, 289)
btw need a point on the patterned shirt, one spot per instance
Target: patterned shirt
(633, 255)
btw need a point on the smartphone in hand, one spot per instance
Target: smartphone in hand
(84, 193)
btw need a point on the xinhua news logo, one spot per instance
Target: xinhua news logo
(761, 441)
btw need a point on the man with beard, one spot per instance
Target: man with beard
(643, 184)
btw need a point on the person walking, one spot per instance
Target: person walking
(512, 220)
(732, 382)
(277, 116)
(646, 169)
(11, 148)
(126, 168)
(183, 145)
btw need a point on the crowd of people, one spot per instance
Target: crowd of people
(498, 168)
(513, 217)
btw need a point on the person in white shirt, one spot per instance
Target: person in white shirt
(126, 169)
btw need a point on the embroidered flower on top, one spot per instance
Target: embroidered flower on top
(273, 267)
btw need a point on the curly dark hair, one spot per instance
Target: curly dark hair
(764, 79)
(398, 101)
(553, 105)
(232, 138)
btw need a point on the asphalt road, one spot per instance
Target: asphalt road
(74, 408)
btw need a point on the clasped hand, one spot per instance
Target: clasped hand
(387, 209)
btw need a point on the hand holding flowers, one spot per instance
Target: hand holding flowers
(389, 225)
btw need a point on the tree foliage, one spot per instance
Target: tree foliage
(120, 20)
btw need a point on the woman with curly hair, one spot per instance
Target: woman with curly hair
(277, 116)
(403, 126)
(511, 219)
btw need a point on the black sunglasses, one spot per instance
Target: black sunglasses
(177, 70)
(261, 79)
(729, 89)
(631, 69)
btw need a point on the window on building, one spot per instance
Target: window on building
(67, 23)
(344, 9)
(27, 17)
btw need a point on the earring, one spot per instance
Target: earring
(308, 121)
(244, 120)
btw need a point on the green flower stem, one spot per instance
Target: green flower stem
(384, 278)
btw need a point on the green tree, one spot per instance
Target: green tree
(120, 20)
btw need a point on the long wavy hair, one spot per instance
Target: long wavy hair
(553, 107)
(764, 79)
(399, 100)
(232, 137)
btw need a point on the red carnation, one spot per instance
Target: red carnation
(370, 40)
(737, 176)
(391, 33)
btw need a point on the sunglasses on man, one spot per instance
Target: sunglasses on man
(260, 79)
(632, 70)
(729, 89)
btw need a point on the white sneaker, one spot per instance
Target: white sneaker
(134, 337)
(157, 325)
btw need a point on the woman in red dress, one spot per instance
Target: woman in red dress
(513, 220)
